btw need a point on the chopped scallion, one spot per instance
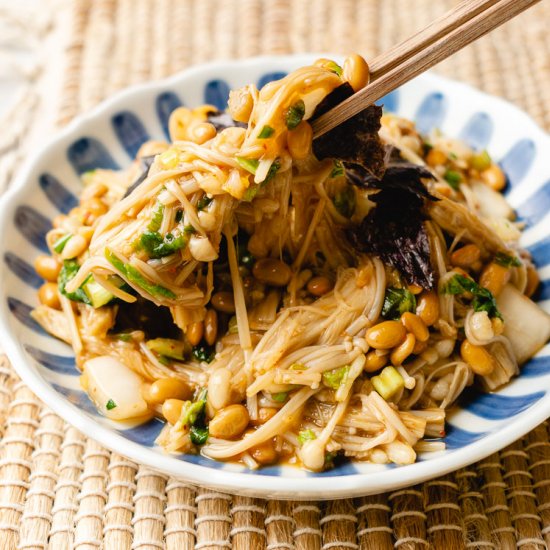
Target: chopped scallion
(204, 353)
(453, 178)
(266, 132)
(507, 261)
(59, 245)
(295, 114)
(334, 67)
(306, 435)
(198, 436)
(156, 218)
(279, 397)
(397, 301)
(336, 377)
(250, 165)
(388, 382)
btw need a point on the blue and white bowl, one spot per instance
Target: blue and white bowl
(109, 137)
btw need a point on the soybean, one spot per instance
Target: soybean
(229, 422)
(171, 410)
(466, 256)
(194, 333)
(47, 267)
(264, 453)
(374, 362)
(272, 272)
(167, 388)
(224, 302)
(319, 286)
(494, 177)
(413, 323)
(386, 335)
(494, 277)
(356, 72)
(401, 352)
(75, 246)
(49, 296)
(211, 327)
(428, 307)
(478, 358)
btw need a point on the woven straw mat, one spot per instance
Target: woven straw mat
(60, 490)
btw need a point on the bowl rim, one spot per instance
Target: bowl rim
(281, 487)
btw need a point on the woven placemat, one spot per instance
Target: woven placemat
(60, 490)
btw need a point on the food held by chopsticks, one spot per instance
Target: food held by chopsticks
(279, 299)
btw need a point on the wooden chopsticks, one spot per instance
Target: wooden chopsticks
(457, 28)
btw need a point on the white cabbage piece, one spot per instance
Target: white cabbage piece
(526, 325)
(114, 388)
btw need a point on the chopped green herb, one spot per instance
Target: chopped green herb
(252, 191)
(273, 169)
(338, 169)
(204, 353)
(453, 155)
(345, 201)
(192, 410)
(158, 247)
(59, 245)
(198, 436)
(156, 218)
(97, 294)
(483, 297)
(295, 114)
(266, 132)
(453, 178)
(388, 382)
(153, 289)
(134, 276)
(507, 261)
(114, 261)
(179, 216)
(279, 397)
(68, 271)
(481, 161)
(306, 435)
(124, 337)
(203, 202)
(250, 165)
(334, 67)
(167, 347)
(336, 377)
(110, 405)
(397, 301)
